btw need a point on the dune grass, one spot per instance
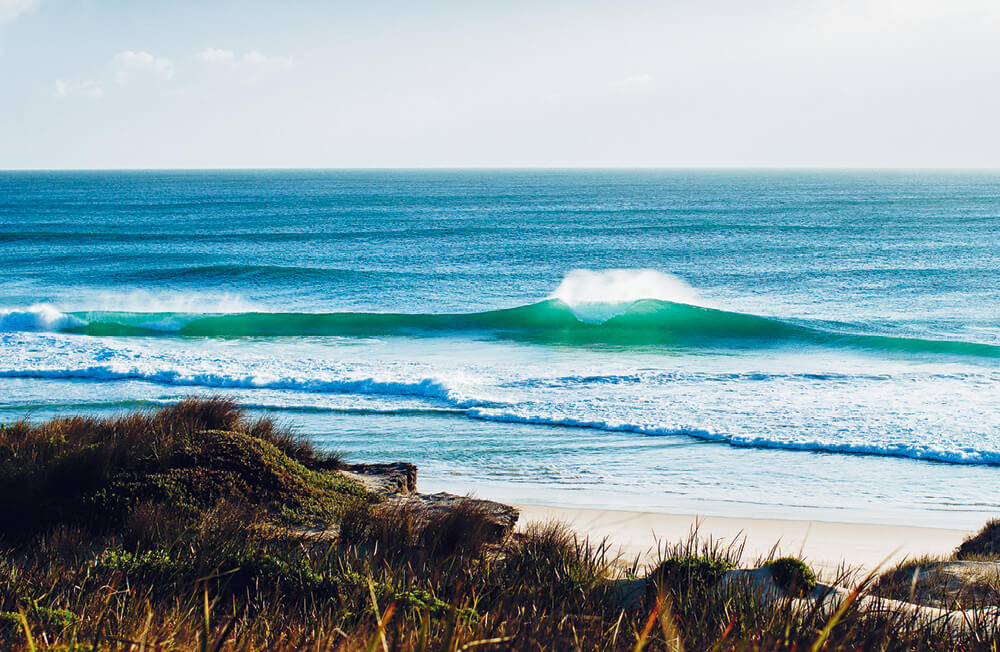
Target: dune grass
(984, 544)
(968, 578)
(182, 529)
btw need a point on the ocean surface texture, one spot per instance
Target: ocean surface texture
(774, 344)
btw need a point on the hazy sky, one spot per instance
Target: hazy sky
(733, 83)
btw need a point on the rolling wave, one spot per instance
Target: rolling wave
(646, 322)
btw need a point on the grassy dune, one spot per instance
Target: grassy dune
(194, 527)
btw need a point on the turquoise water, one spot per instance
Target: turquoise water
(797, 344)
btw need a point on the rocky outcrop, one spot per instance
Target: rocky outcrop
(954, 576)
(950, 576)
(392, 479)
(397, 483)
(760, 580)
(500, 518)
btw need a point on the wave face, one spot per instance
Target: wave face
(645, 322)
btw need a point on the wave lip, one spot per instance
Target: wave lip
(595, 296)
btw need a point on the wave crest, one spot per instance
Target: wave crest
(39, 317)
(598, 295)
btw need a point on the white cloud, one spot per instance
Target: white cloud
(11, 9)
(247, 61)
(129, 64)
(126, 66)
(638, 80)
(255, 58)
(86, 88)
(215, 55)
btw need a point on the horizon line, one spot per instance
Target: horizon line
(775, 168)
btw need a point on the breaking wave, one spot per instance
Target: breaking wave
(644, 322)
(40, 317)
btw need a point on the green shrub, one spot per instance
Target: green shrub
(188, 457)
(687, 575)
(11, 627)
(793, 575)
(150, 566)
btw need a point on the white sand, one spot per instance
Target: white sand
(825, 545)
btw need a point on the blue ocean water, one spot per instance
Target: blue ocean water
(802, 344)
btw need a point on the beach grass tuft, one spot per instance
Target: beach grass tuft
(985, 544)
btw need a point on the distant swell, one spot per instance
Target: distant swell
(200, 274)
(647, 322)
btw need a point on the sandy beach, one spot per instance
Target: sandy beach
(826, 545)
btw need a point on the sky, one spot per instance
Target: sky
(463, 83)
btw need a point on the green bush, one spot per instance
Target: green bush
(187, 457)
(11, 627)
(687, 575)
(150, 566)
(793, 575)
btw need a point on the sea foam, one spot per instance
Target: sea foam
(428, 388)
(461, 402)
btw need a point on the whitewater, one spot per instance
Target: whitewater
(795, 344)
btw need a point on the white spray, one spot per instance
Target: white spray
(39, 317)
(598, 295)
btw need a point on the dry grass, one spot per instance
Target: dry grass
(224, 577)
(941, 582)
(983, 545)
(967, 579)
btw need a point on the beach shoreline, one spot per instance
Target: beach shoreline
(826, 545)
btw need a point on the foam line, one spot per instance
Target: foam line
(492, 411)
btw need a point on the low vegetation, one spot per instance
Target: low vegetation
(793, 575)
(984, 545)
(968, 579)
(194, 527)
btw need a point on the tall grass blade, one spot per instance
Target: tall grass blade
(27, 630)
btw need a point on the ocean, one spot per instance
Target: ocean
(787, 344)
